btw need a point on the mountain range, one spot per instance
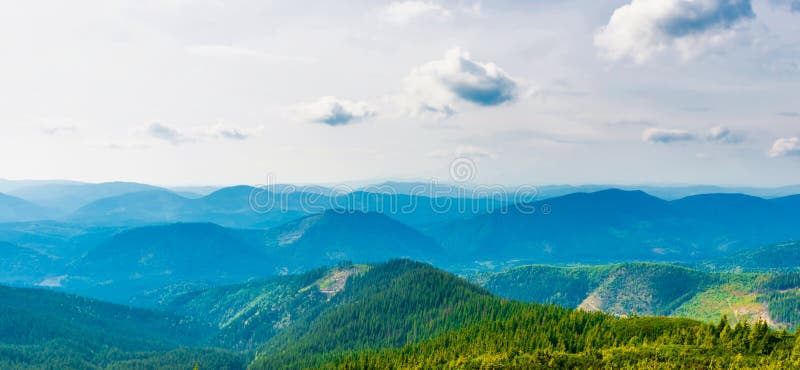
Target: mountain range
(389, 315)
(655, 289)
(13, 209)
(134, 262)
(143, 240)
(616, 225)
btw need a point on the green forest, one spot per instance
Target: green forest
(398, 314)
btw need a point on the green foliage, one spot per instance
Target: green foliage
(783, 257)
(64, 354)
(399, 314)
(392, 304)
(655, 289)
(784, 307)
(571, 284)
(41, 329)
(247, 315)
(407, 315)
(547, 337)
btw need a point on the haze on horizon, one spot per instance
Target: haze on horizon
(185, 92)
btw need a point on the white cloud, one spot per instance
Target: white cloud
(785, 146)
(335, 112)
(229, 132)
(665, 136)
(401, 12)
(218, 131)
(464, 151)
(166, 133)
(643, 28)
(435, 87)
(722, 135)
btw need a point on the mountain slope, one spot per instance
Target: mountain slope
(406, 315)
(156, 206)
(59, 313)
(289, 312)
(418, 209)
(140, 259)
(67, 197)
(335, 236)
(185, 255)
(44, 249)
(551, 338)
(610, 224)
(654, 289)
(391, 304)
(22, 265)
(228, 207)
(623, 289)
(247, 315)
(46, 330)
(646, 289)
(614, 225)
(13, 209)
(777, 257)
(399, 314)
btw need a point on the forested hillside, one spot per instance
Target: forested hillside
(655, 289)
(547, 337)
(438, 321)
(399, 313)
(46, 330)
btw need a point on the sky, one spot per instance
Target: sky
(182, 92)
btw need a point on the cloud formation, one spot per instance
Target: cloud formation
(722, 135)
(435, 87)
(166, 133)
(665, 136)
(332, 111)
(785, 146)
(228, 132)
(218, 131)
(401, 12)
(643, 28)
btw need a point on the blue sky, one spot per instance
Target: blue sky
(539, 92)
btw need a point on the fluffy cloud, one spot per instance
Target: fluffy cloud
(785, 146)
(644, 28)
(722, 135)
(335, 112)
(401, 12)
(435, 87)
(665, 136)
(166, 133)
